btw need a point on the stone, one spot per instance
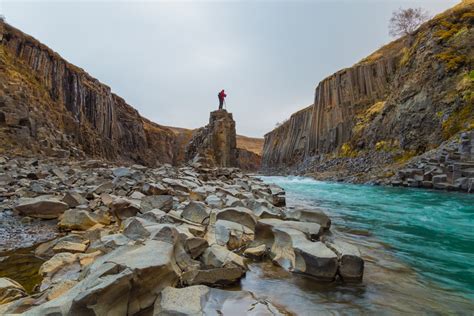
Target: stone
(185, 301)
(74, 199)
(202, 300)
(217, 256)
(137, 195)
(232, 234)
(124, 208)
(157, 216)
(162, 202)
(213, 201)
(255, 252)
(195, 246)
(118, 283)
(215, 276)
(240, 215)
(10, 291)
(121, 172)
(67, 246)
(196, 212)
(351, 265)
(57, 262)
(311, 215)
(105, 187)
(75, 219)
(60, 288)
(44, 206)
(154, 189)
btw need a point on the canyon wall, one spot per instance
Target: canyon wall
(50, 107)
(407, 97)
(50, 101)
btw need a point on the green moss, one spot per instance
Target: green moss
(459, 120)
(451, 59)
(405, 156)
(471, 75)
(347, 151)
(447, 30)
(405, 56)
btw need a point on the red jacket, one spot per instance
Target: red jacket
(222, 94)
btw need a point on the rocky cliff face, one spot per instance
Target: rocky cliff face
(48, 106)
(215, 144)
(404, 99)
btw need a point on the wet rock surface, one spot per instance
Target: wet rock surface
(190, 227)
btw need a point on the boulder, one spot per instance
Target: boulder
(215, 276)
(118, 283)
(124, 208)
(255, 252)
(67, 246)
(10, 291)
(154, 189)
(291, 248)
(44, 206)
(201, 300)
(311, 215)
(218, 256)
(196, 212)
(57, 262)
(74, 199)
(75, 219)
(351, 265)
(162, 202)
(239, 215)
(195, 246)
(213, 201)
(233, 235)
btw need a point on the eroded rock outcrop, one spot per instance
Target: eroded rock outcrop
(215, 144)
(49, 106)
(403, 100)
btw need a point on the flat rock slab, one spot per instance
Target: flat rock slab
(203, 300)
(45, 206)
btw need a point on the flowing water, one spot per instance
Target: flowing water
(418, 246)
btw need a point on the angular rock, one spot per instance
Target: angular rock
(215, 276)
(195, 246)
(118, 283)
(162, 202)
(74, 199)
(44, 206)
(202, 300)
(351, 265)
(124, 208)
(255, 252)
(75, 219)
(67, 246)
(239, 215)
(196, 212)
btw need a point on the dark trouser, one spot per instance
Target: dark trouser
(221, 103)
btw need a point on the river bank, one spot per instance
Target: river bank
(196, 231)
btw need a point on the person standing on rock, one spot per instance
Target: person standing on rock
(221, 97)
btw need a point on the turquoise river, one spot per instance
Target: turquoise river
(418, 246)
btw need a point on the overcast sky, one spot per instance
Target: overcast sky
(169, 59)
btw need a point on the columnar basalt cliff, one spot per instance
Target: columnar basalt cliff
(406, 98)
(215, 144)
(50, 106)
